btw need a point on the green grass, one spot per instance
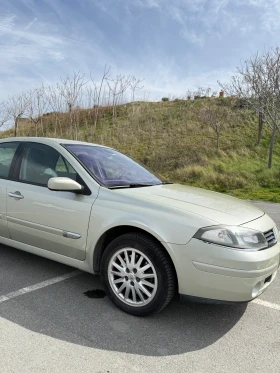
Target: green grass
(241, 175)
(262, 194)
(170, 138)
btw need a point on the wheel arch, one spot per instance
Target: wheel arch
(115, 232)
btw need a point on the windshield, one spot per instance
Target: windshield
(112, 168)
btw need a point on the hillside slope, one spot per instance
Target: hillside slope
(171, 139)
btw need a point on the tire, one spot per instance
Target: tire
(137, 274)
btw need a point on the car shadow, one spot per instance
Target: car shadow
(63, 311)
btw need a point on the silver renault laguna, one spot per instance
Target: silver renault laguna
(93, 208)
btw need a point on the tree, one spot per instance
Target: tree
(36, 104)
(202, 92)
(4, 114)
(16, 108)
(258, 84)
(98, 89)
(117, 88)
(135, 86)
(216, 116)
(55, 103)
(71, 90)
(260, 129)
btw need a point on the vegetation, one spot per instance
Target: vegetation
(219, 143)
(175, 139)
(258, 84)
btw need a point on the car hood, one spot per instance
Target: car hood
(216, 207)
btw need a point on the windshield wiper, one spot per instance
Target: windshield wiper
(135, 185)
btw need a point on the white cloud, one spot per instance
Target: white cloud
(6, 23)
(169, 84)
(269, 13)
(210, 15)
(193, 37)
(36, 43)
(145, 3)
(21, 46)
(30, 23)
(152, 3)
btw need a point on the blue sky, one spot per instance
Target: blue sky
(175, 45)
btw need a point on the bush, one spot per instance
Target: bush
(165, 99)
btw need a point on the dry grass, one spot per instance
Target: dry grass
(170, 139)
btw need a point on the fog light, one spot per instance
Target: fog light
(256, 289)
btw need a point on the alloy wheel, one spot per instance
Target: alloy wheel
(132, 277)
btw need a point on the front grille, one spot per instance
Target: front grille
(270, 237)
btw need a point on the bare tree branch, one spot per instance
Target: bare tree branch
(71, 90)
(4, 114)
(36, 105)
(216, 116)
(258, 85)
(16, 108)
(98, 95)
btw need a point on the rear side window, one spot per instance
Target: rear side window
(7, 152)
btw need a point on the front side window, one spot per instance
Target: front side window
(64, 169)
(41, 162)
(112, 168)
(7, 152)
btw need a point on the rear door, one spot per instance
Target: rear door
(7, 158)
(49, 220)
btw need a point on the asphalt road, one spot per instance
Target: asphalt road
(57, 328)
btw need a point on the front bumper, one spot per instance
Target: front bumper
(240, 277)
(220, 273)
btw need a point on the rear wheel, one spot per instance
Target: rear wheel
(138, 275)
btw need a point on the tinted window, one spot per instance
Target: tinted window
(63, 166)
(41, 162)
(111, 167)
(64, 169)
(7, 152)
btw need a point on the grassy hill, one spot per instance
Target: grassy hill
(172, 140)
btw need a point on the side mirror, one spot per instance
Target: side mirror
(64, 184)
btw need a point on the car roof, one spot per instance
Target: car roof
(48, 141)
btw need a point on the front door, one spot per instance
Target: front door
(49, 220)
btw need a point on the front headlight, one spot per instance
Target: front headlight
(234, 237)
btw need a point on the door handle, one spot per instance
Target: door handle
(16, 195)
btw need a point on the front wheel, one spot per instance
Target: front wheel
(137, 274)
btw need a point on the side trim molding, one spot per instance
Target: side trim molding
(44, 228)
